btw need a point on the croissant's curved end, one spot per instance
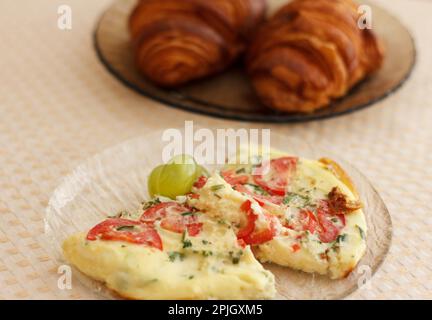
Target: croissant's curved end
(176, 42)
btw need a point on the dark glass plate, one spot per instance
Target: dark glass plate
(229, 95)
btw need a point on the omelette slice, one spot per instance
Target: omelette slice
(319, 228)
(169, 251)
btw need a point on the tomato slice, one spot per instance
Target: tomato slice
(295, 247)
(241, 243)
(251, 218)
(273, 176)
(261, 199)
(194, 229)
(308, 221)
(179, 224)
(329, 230)
(201, 181)
(193, 195)
(260, 237)
(233, 178)
(127, 231)
(174, 217)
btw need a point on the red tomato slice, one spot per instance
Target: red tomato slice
(201, 181)
(295, 247)
(232, 178)
(241, 243)
(251, 218)
(179, 224)
(174, 217)
(260, 237)
(328, 229)
(111, 230)
(262, 200)
(276, 179)
(308, 221)
(163, 209)
(194, 228)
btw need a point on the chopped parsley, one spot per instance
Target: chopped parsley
(187, 244)
(174, 255)
(123, 228)
(191, 277)
(207, 253)
(205, 242)
(296, 199)
(189, 213)
(341, 238)
(241, 170)
(361, 231)
(217, 187)
(151, 203)
(235, 257)
(257, 189)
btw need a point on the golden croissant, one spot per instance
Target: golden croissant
(310, 52)
(179, 41)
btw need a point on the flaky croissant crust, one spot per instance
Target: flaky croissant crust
(179, 41)
(310, 52)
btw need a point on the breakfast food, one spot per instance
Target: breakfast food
(179, 41)
(168, 250)
(208, 241)
(310, 52)
(299, 214)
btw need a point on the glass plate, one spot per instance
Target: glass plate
(229, 94)
(116, 180)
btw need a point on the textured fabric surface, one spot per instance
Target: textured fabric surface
(58, 106)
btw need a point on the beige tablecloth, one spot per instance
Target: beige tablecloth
(58, 106)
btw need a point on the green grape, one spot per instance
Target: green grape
(175, 178)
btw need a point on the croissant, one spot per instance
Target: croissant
(310, 52)
(179, 41)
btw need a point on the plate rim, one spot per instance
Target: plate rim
(49, 239)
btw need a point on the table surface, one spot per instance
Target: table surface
(58, 106)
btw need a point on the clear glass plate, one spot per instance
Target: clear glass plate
(116, 180)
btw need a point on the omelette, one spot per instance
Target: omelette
(171, 251)
(208, 244)
(303, 214)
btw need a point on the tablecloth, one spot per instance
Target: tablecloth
(58, 106)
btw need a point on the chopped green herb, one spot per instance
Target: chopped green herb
(217, 187)
(362, 233)
(341, 238)
(191, 277)
(123, 228)
(222, 221)
(174, 255)
(189, 213)
(206, 242)
(151, 203)
(241, 170)
(235, 257)
(207, 253)
(257, 189)
(295, 198)
(187, 244)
